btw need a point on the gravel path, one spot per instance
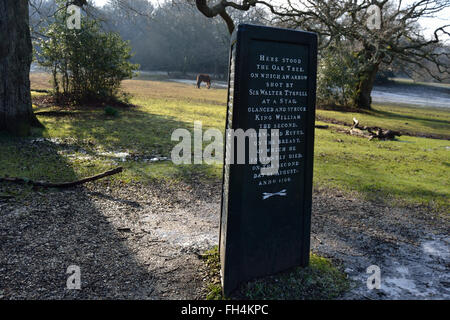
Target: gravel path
(130, 243)
(142, 242)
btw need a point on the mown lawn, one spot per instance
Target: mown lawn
(410, 170)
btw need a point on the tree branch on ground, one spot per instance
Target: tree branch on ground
(63, 184)
(372, 132)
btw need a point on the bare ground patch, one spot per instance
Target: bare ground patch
(410, 245)
(142, 242)
(130, 242)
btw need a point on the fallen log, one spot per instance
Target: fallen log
(372, 132)
(63, 184)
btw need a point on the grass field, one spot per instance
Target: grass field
(410, 170)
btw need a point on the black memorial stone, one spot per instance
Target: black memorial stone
(265, 220)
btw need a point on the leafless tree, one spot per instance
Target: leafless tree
(398, 37)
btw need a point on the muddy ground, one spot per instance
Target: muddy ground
(142, 242)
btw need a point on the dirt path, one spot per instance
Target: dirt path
(141, 242)
(130, 243)
(410, 246)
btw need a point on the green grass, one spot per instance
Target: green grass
(145, 130)
(211, 259)
(407, 120)
(404, 171)
(410, 170)
(320, 280)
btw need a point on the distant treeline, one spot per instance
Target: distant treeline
(174, 37)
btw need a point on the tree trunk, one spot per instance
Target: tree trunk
(363, 99)
(16, 112)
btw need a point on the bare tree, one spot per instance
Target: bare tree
(398, 36)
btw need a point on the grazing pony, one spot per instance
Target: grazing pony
(203, 78)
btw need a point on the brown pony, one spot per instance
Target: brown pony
(203, 78)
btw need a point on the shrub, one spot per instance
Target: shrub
(336, 80)
(87, 63)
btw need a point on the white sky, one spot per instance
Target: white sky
(429, 24)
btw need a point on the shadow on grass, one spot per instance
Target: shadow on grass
(437, 200)
(429, 122)
(384, 189)
(136, 130)
(141, 134)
